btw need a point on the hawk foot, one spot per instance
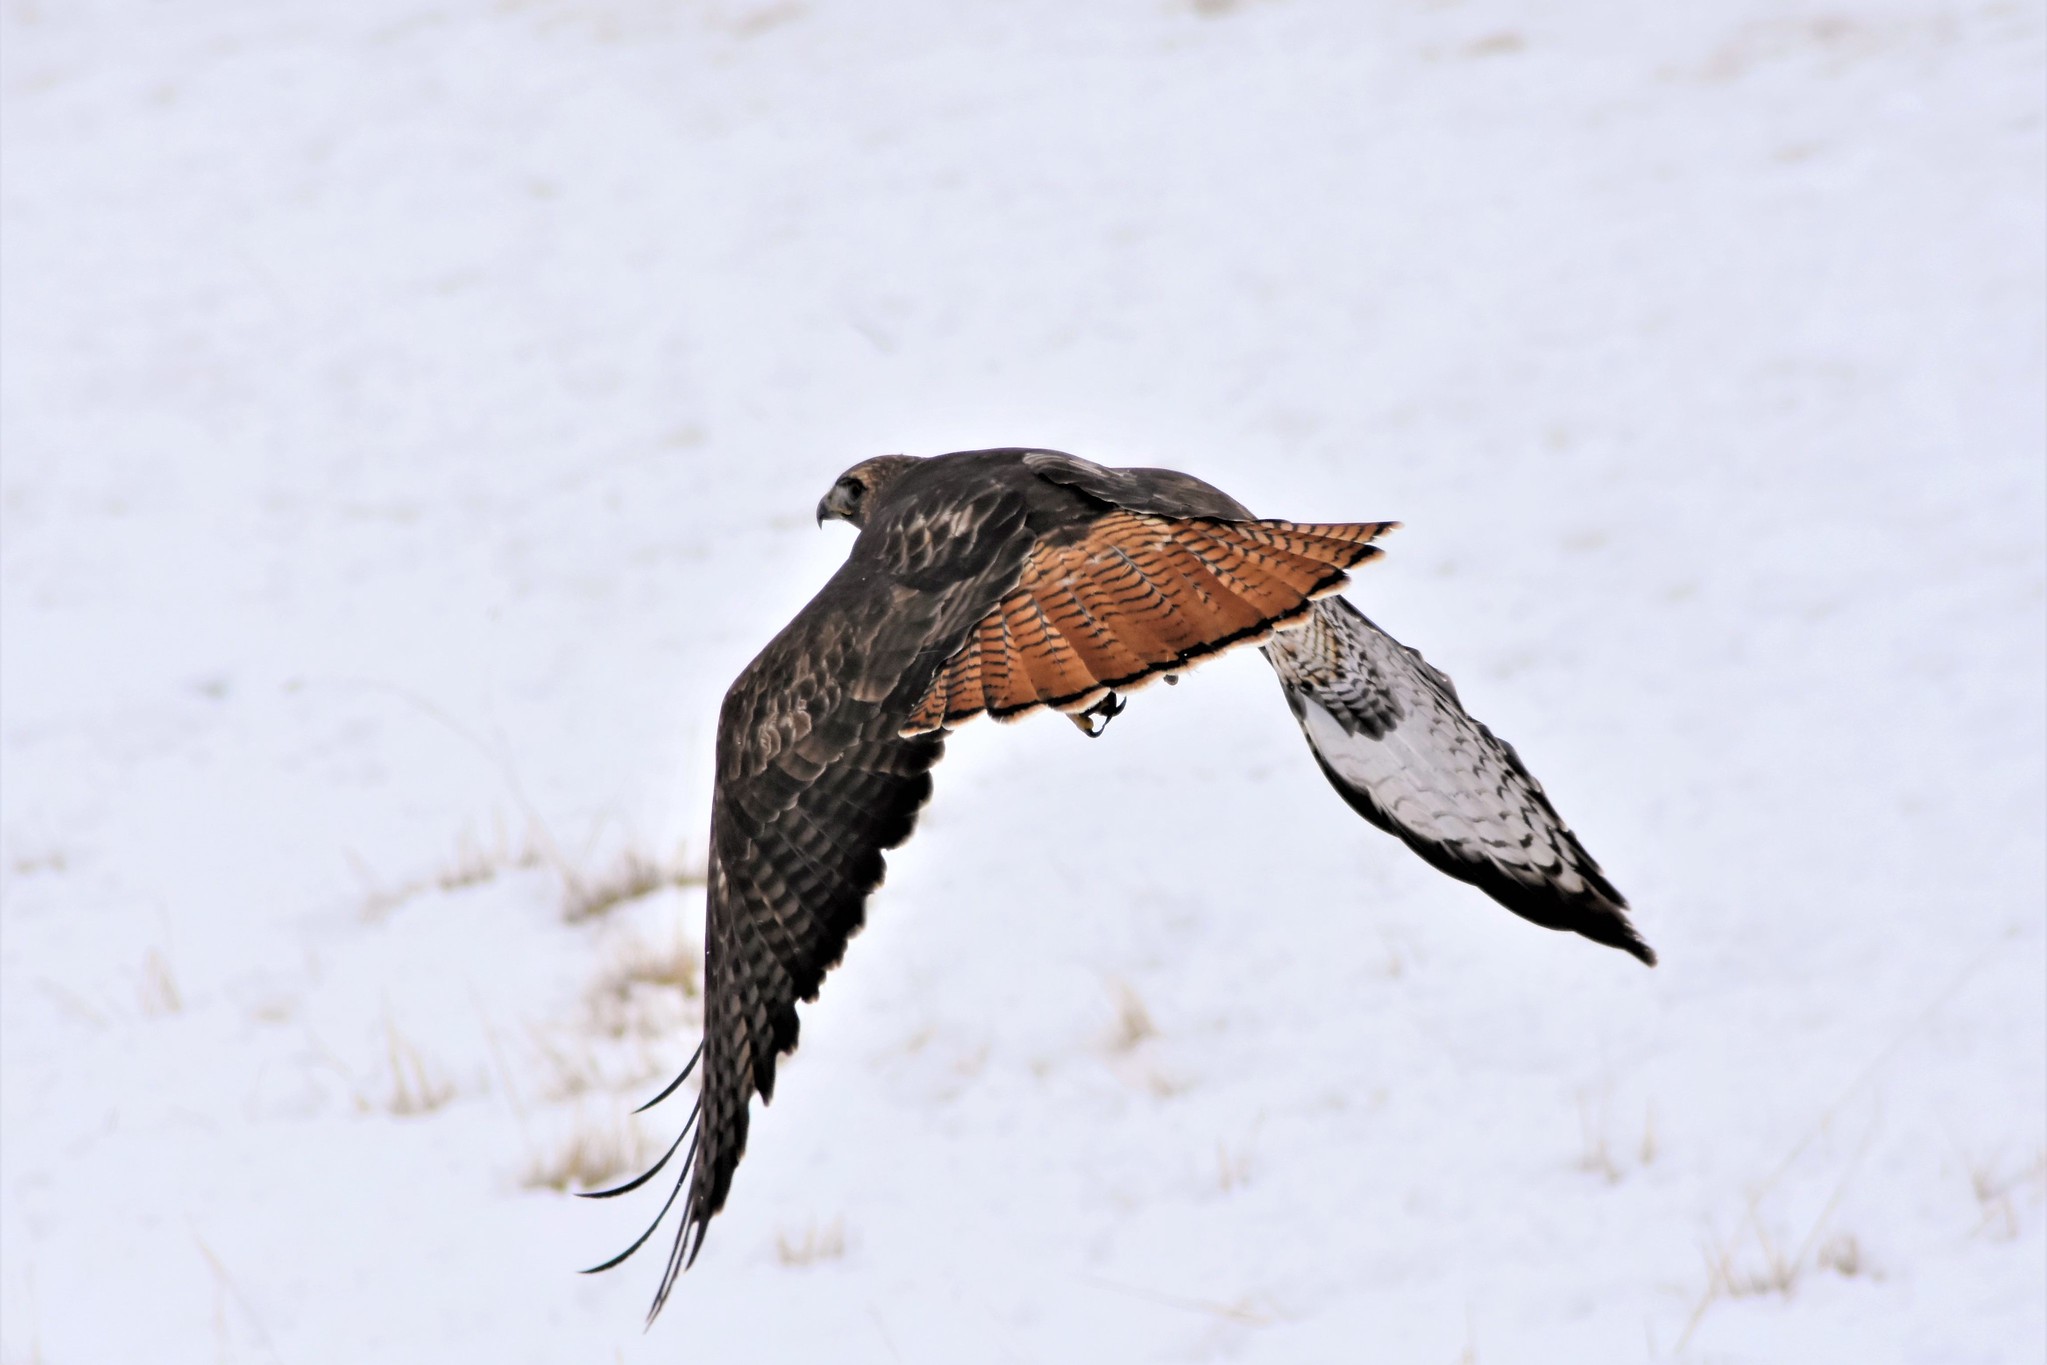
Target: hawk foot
(1096, 718)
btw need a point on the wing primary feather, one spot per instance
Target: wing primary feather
(678, 1259)
(673, 1085)
(651, 1171)
(641, 1240)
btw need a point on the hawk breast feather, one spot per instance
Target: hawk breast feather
(1010, 581)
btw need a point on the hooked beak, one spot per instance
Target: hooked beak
(835, 506)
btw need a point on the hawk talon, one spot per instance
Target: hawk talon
(1106, 710)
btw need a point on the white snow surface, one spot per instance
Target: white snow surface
(412, 420)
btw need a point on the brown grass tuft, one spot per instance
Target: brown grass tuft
(1842, 1254)
(1133, 1021)
(1997, 1188)
(475, 861)
(817, 1244)
(158, 991)
(632, 876)
(417, 1086)
(592, 1156)
(645, 987)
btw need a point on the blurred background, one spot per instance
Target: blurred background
(412, 417)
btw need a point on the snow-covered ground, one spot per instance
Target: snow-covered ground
(412, 420)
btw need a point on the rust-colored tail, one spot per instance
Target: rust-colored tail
(1137, 597)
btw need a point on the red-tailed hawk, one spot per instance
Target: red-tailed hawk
(1012, 581)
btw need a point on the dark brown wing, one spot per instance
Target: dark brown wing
(814, 781)
(1133, 597)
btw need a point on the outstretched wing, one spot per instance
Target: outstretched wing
(814, 785)
(814, 782)
(1393, 739)
(1395, 742)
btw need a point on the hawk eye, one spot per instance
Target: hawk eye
(853, 487)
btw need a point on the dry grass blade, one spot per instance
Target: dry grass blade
(634, 875)
(1133, 1021)
(1242, 1311)
(645, 987)
(817, 1244)
(475, 862)
(417, 1086)
(590, 1157)
(159, 989)
(1997, 1191)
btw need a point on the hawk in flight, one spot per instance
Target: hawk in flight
(1013, 581)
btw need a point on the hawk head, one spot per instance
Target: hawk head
(859, 486)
